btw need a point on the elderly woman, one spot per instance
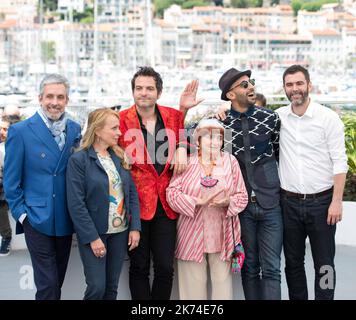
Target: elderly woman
(103, 204)
(209, 195)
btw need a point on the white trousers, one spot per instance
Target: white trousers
(193, 278)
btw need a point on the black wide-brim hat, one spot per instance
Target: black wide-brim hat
(228, 78)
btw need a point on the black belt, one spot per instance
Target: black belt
(305, 195)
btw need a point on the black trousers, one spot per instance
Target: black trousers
(158, 238)
(49, 256)
(5, 228)
(308, 218)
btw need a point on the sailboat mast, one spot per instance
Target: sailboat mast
(149, 38)
(95, 58)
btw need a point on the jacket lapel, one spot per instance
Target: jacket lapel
(123, 176)
(92, 154)
(169, 127)
(41, 131)
(70, 136)
(132, 122)
(116, 161)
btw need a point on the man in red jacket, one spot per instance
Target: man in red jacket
(153, 137)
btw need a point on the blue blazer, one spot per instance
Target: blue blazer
(34, 175)
(88, 195)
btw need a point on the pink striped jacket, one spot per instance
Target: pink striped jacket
(180, 195)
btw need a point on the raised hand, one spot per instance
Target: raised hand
(188, 98)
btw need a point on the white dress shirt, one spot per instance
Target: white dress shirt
(312, 149)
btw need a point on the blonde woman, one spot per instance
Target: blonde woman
(209, 195)
(103, 204)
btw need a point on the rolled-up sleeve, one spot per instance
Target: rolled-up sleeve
(335, 137)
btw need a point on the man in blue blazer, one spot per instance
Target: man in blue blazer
(37, 152)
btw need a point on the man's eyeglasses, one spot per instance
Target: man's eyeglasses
(244, 84)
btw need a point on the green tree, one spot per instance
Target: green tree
(194, 3)
(255, 3)
(87, 20)
(50, 5)
(296, 6)
(161, 5)
(309, 5)
(48, 51)
(312, 6)
(239, 3)
(84, 17)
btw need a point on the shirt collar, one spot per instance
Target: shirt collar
(237, 114)
(308, 113)
(39, 111)
(159, 118)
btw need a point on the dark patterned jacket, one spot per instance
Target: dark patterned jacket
(264, 127)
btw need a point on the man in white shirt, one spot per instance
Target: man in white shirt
(312, 169)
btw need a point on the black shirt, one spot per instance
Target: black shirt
(156, 149)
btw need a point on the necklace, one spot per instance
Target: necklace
(207, 181)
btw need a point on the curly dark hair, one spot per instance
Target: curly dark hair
(148, 72)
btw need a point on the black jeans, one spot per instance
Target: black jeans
(159, 237)
(304, 218)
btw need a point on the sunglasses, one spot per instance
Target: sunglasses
(244, 84)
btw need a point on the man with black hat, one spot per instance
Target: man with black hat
(254, 142)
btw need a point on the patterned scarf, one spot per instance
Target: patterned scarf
(57, 128)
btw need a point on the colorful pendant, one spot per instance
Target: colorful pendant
(208, 182)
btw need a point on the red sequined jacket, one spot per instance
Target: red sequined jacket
(149, 184)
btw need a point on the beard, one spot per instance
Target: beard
(246, 104)
(51, 116)
(245, 101)
(301, 100)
